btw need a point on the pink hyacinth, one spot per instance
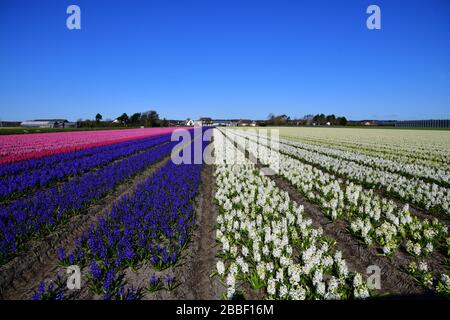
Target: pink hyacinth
(29, 146)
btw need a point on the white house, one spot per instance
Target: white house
(189, 122)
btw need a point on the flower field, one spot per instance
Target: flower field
(337, 205)
(398, 209)
(23, 147)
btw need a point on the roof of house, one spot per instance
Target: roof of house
(51, 120)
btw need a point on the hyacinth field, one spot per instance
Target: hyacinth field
(315, 217)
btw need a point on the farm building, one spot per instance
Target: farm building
(369, 122)
(225, 122)
(423, 124)
(9, 124)
(246, 123)
(221, 123)
(206, 121)
(203, 121)
(47, 123)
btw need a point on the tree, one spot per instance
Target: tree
(143, 119)
(135, 118)
(98, 117)
(331, 119)
(270, 119)
(153, 118)
(123, 118)
(280, 120)
(319, 118)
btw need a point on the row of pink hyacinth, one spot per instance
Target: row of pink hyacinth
(29, 146)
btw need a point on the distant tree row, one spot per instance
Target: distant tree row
(318, 119)
(280, 120)
(147, 119)
(322, 119)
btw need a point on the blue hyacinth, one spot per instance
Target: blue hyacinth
(150, 225)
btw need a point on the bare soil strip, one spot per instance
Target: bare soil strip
(357, 255)
(418, 212)
(371, 150)
(404, 174)
(201, 256)
(192, 272)
(437, 260)
(20, 277)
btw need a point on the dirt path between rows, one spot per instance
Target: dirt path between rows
(357, 255)
(437, 260)
(420, 213)
(201, 257)
(414, 209)
(20, 277)
(198, 260)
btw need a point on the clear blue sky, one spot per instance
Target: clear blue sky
(224, 59)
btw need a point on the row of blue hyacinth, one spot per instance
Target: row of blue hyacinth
(28, 180)
(36, 215)
(14, 168)
(55, 290)
(151, 226)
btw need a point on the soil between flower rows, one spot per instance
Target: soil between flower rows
(192, 272)
(357, 255)
(395, 282)
(436, 261)
(20, 277)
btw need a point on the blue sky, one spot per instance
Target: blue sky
(224, 59)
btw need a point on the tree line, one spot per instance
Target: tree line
(322, 119)
(146, 119)
(318, 119)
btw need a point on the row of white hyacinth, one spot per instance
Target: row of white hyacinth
(410, 170)
(429, 196)
(375, 219)
(429, 145)
(266, 242)
(439, 283)
(396, 156)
